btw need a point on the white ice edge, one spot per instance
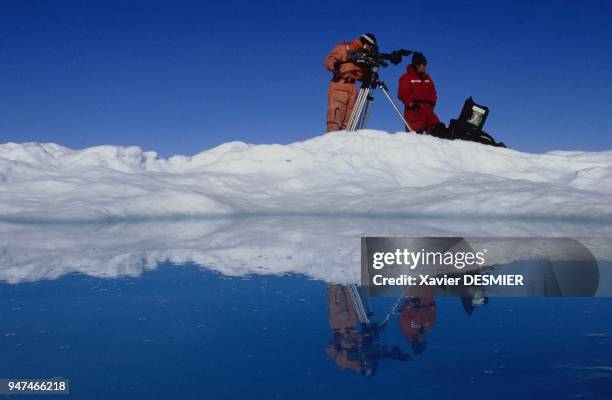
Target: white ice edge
(362, 173)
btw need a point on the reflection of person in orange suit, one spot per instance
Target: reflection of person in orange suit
(416, 319)
(343, 322)
(355, 345)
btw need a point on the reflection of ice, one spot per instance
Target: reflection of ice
(321, 248)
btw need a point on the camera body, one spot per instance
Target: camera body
(371, 57)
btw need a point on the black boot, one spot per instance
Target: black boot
(441, 131)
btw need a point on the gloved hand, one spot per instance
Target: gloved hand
(337, 65)
(396, 56)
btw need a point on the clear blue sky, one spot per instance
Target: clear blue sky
(180, 77)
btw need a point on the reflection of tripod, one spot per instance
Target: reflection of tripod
(362, 307)
(368, 350)
(359, 116)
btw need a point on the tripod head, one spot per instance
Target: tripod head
(370, 351)
(371, 59)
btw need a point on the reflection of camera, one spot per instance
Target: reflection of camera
(371, 57)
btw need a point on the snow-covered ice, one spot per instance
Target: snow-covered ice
(363, 173)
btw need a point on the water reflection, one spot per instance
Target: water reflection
(267, 336)
(322, 248)
(416, 320)
(356, 342)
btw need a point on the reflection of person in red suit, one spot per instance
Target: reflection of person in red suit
(416, 320)
(418, 93)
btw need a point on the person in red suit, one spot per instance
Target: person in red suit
(418, 93)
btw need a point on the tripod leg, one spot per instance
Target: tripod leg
(360, 106)
(360, 308)
(354, 111)
(366, 112)
(357, 109)
(397, 110)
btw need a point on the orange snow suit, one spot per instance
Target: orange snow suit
(343, 322)
(342, 92)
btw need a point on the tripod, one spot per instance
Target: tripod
(361, 111)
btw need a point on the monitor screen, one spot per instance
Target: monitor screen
(477, 116)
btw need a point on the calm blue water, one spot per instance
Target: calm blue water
(187, 332)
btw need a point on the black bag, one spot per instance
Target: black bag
(468, 126)
(473, 115)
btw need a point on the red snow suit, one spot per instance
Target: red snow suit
(417, 317)
(418, 93)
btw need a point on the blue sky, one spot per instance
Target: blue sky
(180, 78)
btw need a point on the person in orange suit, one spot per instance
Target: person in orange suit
(342, 91)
